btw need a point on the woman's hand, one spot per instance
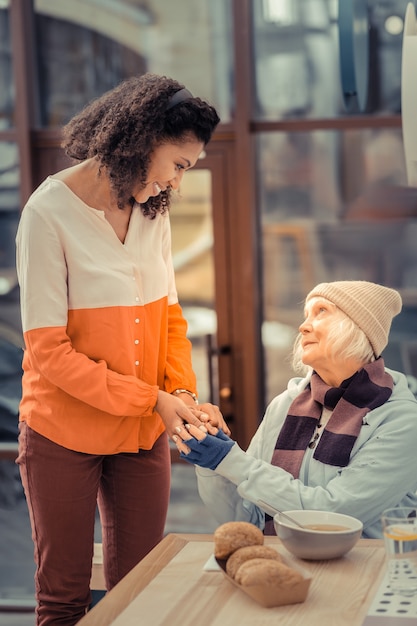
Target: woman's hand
(174, 413)
(201, 448)
(213, 418)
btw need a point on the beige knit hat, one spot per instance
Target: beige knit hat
(369, 305)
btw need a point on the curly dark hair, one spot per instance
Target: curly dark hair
(122, 127)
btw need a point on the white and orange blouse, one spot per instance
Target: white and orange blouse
(102, 325)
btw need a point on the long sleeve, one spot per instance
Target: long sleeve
(382, 471)
(101, 321)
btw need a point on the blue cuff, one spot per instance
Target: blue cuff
(209, 451)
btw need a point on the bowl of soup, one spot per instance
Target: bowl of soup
(325, 535)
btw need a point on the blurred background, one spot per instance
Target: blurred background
(293, 190)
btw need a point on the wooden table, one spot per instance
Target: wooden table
(170, 588)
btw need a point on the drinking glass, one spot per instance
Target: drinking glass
(400, 537)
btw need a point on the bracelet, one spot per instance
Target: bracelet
(190, 393)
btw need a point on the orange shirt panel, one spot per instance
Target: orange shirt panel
(89, 387)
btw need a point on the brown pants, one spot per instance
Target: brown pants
(62, 489)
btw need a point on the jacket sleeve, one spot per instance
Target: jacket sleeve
(382, 471)
(221, 495)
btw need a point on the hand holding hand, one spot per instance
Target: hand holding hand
(174, 412)
(213, 418)
(201, 448)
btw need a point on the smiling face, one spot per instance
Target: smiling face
(321, 318)
(167, 165)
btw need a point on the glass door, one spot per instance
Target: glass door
(192, 240)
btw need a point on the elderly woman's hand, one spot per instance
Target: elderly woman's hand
(201, 448)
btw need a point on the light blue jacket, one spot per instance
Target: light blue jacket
(382, 472)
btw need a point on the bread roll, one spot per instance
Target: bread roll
(233, 535)
(242, 555)
(267, 572)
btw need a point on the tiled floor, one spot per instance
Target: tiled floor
(186, 514)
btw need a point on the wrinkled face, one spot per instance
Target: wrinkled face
(167, 165)
(320, 316)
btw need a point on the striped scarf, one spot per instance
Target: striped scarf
(367, 389)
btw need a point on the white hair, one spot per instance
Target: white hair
(346, 339)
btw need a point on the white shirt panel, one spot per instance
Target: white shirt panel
(73, 258)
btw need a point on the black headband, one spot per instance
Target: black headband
(179, 96)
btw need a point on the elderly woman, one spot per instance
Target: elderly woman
(343, 438)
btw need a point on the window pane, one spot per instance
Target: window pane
(297, 71)
(9, 213)
(335, 206)
(86, 48)
(192, 247)
(6, 80)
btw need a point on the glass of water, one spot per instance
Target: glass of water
(400, 537)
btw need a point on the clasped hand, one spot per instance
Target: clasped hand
(200, 448)
(174, 412)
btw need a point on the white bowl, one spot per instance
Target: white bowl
(318, 545)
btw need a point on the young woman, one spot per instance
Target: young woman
(107, 365)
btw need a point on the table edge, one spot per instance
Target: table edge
(116, 600)
(106, 611)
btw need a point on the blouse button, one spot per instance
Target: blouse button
(136, 341)
(136, 362)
